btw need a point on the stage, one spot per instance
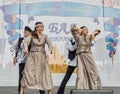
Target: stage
(13, 90)
(58, 16)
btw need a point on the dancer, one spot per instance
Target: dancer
(87, 72)
(19, 56)
(36, 74)
(71, 47)
(72, 62)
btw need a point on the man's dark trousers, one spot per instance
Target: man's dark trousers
(67, 76)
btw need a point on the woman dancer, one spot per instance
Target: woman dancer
(87, 72)
(36, 74)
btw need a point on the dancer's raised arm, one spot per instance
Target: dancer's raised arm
(94, 34)
(75, 31)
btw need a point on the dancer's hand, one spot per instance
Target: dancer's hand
(48, 56)
(14, 60)
(78, 30)
(73, 28)
(95, 33)
(26, 51)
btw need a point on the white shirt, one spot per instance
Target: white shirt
(71, 47)
(21, 58)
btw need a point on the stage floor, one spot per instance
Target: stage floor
(13, 90)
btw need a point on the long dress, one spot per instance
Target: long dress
(87, 72)
(36, 74)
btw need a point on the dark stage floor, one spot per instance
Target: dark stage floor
(13, 90)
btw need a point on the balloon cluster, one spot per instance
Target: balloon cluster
(111, 38)
(12, 27)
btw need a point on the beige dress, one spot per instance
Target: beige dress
(87, 72)
(36, 74)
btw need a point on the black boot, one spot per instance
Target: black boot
(42, 91)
